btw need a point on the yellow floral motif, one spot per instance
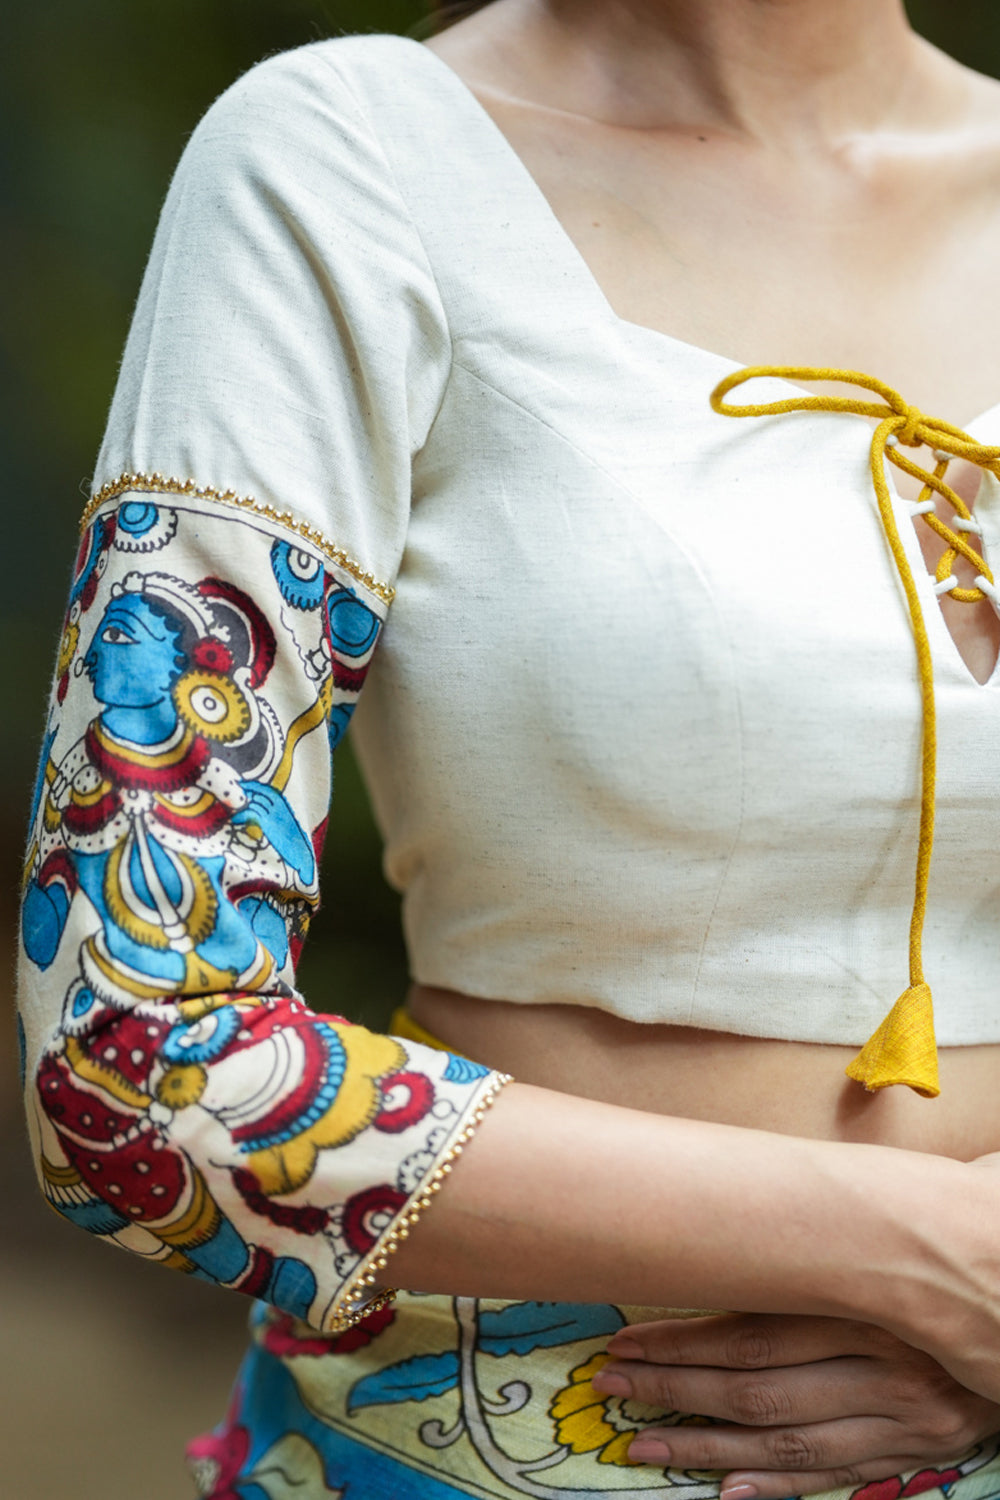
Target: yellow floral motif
(67, 647)
(182, 1085)
(51, 813)
(589, 1422)
(211, 704)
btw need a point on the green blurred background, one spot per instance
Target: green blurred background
(107, 1365)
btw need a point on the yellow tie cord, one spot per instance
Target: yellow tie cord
(903, 1048)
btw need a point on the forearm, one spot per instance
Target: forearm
(563, 1198)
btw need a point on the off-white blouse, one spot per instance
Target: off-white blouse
(643, 729)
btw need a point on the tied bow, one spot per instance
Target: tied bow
(903, 1048)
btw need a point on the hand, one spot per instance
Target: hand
(809, 1403)
(272, 814)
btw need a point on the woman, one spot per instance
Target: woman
(432, 327)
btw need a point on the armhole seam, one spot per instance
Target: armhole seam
(390, 164)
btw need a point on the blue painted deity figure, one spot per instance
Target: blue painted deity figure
(180, 855)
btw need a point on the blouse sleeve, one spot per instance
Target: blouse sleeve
(286, 360)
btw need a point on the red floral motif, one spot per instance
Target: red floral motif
(406, 1099)
(895, 1489)
(212, 655)
(282, 1339)
(368, 1213)
(216, 1458)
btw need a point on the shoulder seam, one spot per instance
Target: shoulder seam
(360, 105)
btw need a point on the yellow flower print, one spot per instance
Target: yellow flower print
(589, 1422)
(182, 1086)
(67, 647)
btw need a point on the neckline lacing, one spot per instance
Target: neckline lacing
(903, 1048)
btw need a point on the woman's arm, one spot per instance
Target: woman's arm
(563, 1198)
(287, 360)
(287, 357)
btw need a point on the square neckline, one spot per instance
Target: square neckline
(569, 252)
(564, 252)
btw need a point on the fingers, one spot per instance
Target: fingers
(747, 1341)
(755, 1398)
(745, 1486)
(820, 1403)
(850, 1443)
(913, 1402)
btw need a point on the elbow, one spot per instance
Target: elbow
(105, 1163)
(81, 1142)
(65, 1191)
(109, 1161)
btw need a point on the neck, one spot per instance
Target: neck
(794, 70)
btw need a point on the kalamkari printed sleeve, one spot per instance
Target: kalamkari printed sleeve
(233, 578)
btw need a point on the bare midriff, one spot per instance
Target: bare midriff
(794, 1088)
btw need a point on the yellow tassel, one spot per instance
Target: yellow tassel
(902, 1050)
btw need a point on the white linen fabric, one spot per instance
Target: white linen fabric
(643, 729)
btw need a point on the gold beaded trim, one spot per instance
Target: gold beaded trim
(155, 484)
(341, 1321)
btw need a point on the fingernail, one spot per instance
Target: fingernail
(738, 1492)
(623, 1346)
(646, 1450)
(612, 1383)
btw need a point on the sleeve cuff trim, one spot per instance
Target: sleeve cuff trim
(357, 1299)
